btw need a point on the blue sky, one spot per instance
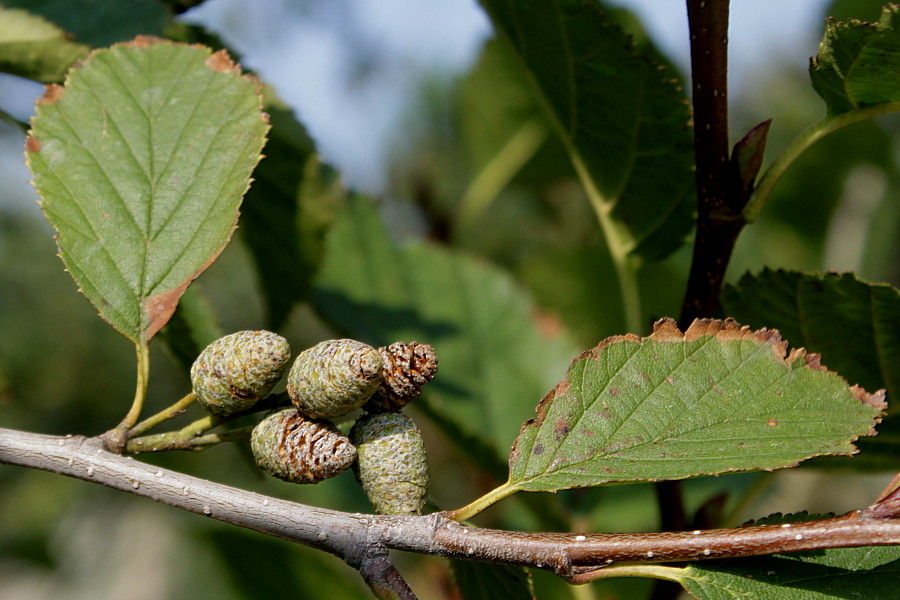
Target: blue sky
(351, 69)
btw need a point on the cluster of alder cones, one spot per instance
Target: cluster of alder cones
(329, 380)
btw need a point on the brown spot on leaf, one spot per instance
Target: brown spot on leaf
(221, 62)
(771, 422)
(538, 449)
(613, 392)
(670, 381)
(52, 93)
(561, 428)
(32, 144)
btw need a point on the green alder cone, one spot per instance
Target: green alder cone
(392, 465)
(334, 377)
(291, 447)
(236, 371)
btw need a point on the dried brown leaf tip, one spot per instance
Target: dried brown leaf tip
(292, 447)
(407, 367)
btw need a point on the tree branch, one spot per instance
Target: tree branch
(362, 540)
(719, 219)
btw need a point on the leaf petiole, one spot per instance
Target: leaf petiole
(470, 510)
(167, 413)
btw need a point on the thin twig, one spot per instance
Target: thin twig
(569, 555)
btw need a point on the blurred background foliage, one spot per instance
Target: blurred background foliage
(475, 168)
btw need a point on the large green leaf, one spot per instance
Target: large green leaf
(867, 573)
(714, 399)
(853, 324)
(623, 118)
(141, 161)
(494, 361)
(35, 48)
(857, 63)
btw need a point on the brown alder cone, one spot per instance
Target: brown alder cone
(294, 448)
(406, 368)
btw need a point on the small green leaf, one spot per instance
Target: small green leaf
(34, 48)
(857, 63)
(141, 161)
(714, 399)
(493, 357)
(487, 581)
(623, 118)
(866, 573)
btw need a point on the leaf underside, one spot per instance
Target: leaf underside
(858, 62)
(714, 399)
(141, 161)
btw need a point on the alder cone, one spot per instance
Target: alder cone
(237, 370)
(291, 447)
(391, 466)
(334, 377)
(407, 367)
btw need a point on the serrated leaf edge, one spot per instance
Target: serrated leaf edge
(666, 330)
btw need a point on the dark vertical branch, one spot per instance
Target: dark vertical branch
(719, 218)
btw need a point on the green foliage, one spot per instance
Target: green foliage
(100, 22)
(853, 324)
(675, 405)
(623, 119)
(857, 63)
(141, 162)
(33, 47)
(485, 581)
(142, 159)
(476, 317)
(867, 573)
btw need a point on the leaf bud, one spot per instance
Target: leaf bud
(237, 370)
(289, 446)
(391, 464)
(334, 378)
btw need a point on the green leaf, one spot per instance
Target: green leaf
(714, 399)
(141, 161)
(35, 48)
(287, 213)
(853, 324)
(486, 581)
(857, 63)
(494, 360)
(101, 22)
(622, 117)
(866, 573)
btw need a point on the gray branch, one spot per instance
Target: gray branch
(362, 540)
